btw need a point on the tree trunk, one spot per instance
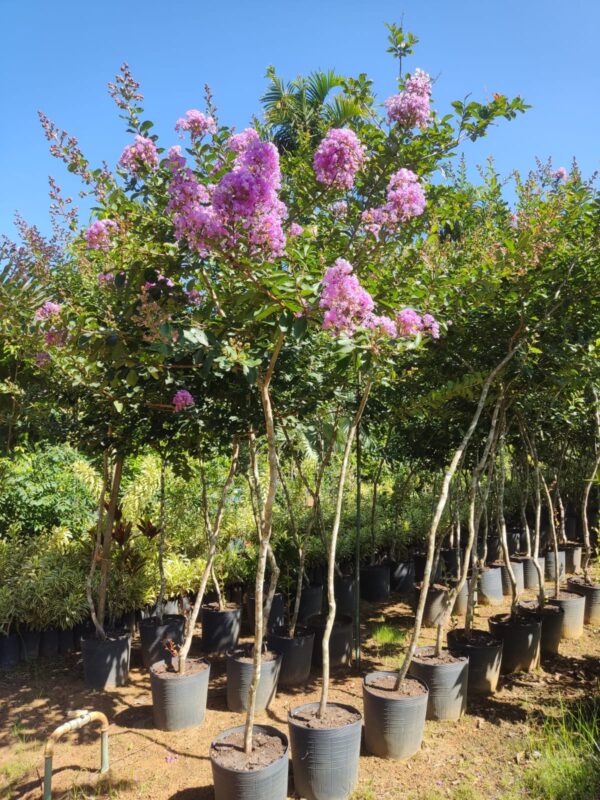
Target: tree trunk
(96, 551)
(161, 545)
(550, 505)
(586, 496)
(107, 542)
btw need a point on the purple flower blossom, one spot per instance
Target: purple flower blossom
(55, 338)
(410, 108)
(175, 160)
(47, 311)
(338, 158)
(346, 303)
(240, 141)
(197, 123)
(339, 209)
(295, 229)
(383, 325)
(105, 278)
(98, 235)
(140, 155)
(408, 322)
(374, 219)
(560, 174)
(182, 399)
(42, 358)
(406, 198)
(194, 296)
(431, 326)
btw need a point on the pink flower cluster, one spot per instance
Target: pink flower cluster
(410, 108)
(295, 229)
(338, 158)
(197, 123)
(47, 311)
(105, 279)
(560, 174)
(409, 323)
(339, 209)
(182, 399)
(405, 200)
(139, 156)
(98, 235)
(243, 202)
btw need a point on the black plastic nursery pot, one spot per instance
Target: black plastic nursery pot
(345, 595)
(220, 629)
(106, 662)
(521, 638)
(518, 572)
(591, 592)
(276, 615)
(324, 760)
(485, 659)
(30, 644)
(435, 604)
(494, 549)
(573, 618)
(340, 640)
(9, 651)
(375, 583)
(552, 622)
(179, 701)
(462, 599)
(394, 721)
(447, 680)
(311, 602)
(513, 541)
(263, 783)
(296, 655)
(239, 678)
(153, 633)
(490, 586)
(403, 577)
(530, 576)
(66, 641)
(419, 560)
(572, 558)
(49, 643)
(551, 566)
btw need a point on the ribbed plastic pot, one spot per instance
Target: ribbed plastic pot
(447, 683)
(530, 576)
(311, 602)
(266, 783)
(552, 620)
(66, 641)
(324, 760)
(462, 600)
(296, 655)
(550, 565)
(153, 633)
(435, 604)
(239, 678)
(9, 651)
(394, 724)
(517, 567)
(106, 662)
(403, 577)
(49, 643)
(220, 629)
(591, 592)
(178, 701)
(521, 638)
(490, 586)
(30, 645)
(485, 660)
(345, 595)
(572, 559)
(573, 606)
(276, 616)
(375, 583)
(340, 640)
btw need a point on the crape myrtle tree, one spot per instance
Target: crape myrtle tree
(223, 253)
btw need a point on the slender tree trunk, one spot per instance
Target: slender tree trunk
(333, 545)
(216, 585)
(96, 551)
(553, 535)
(107, 542)
(586, 496)
(272, 587)
(161, 545)
(502, 523)
(531, 446)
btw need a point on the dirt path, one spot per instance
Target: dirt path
(474, 758)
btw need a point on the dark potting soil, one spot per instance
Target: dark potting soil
(229, 752)
(581, 582)
(335, 717)
(192, 666)
(567, 596)
(246, 656)
(426, 655)
(438, 587)
(476, 638)
(522, 617)
(384, 686)
(226, 607)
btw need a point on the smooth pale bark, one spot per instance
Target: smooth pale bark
(272, 586)
(107, 541)
(586, 496)
(502, 525)
(213, 533)
(97, 548)
(550, 505)
(161, 545)
(333, 545)
(530, 444)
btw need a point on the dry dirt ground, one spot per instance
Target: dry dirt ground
(481, 756)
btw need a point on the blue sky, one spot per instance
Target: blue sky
(58, 56)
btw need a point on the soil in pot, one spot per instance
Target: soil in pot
(447, 677)
(485, 658)
(394, 720)
(521, 637)
(239, 678)
(179, 700)
(296, 655)
(325, 753)
(340, 640)
(263, 773)
(154, 633)
(591, 592)
(220, 628)
(490, 586)
(573, 605)
(106, 662)
(375, 583)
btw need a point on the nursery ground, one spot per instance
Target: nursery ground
(485, 755)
